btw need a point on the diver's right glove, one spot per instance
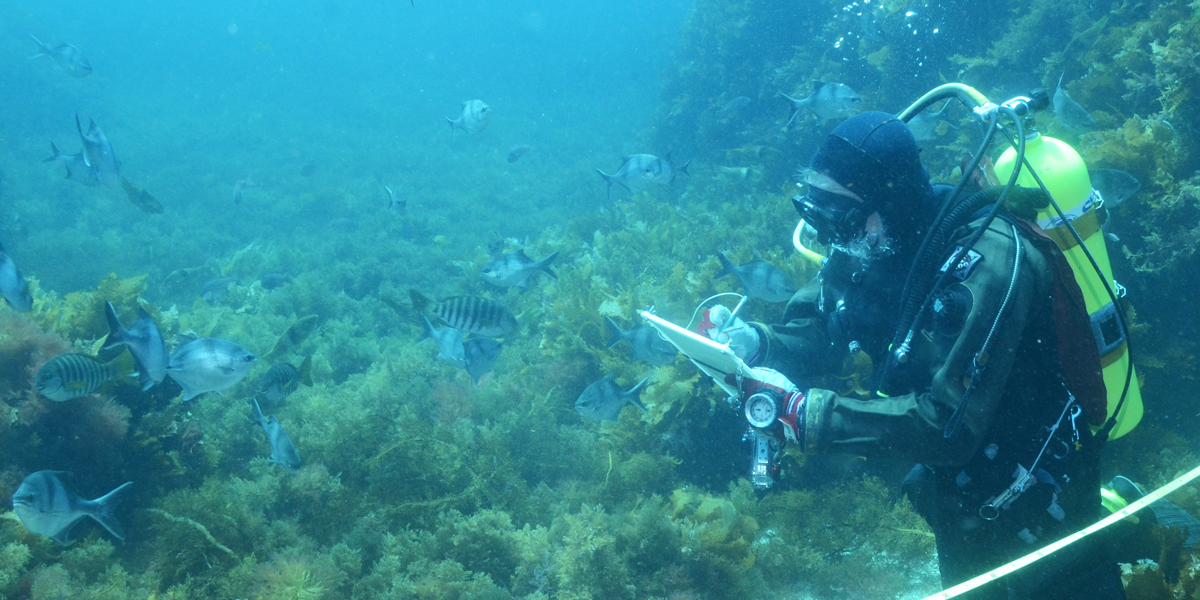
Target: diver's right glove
(742, 337)
(773, 406)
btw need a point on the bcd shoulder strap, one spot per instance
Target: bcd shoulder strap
(1077, 352)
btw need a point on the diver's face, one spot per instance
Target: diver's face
(872, 241)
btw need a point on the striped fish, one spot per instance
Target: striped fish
(470, 314)
(70, 376)
(283, 379)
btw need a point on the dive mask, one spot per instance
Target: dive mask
(837, 219)
(837, 213)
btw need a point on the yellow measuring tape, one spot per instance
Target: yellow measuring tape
(1029, 559)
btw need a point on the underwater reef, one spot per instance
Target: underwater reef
(417, 483)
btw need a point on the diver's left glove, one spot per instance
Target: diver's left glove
(774, 406)
(721, 326)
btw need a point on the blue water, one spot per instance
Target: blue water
(196, 97)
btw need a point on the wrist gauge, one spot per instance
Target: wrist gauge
(762, 408)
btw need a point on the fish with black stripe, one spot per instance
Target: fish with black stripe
(68, 376)
(470, 314)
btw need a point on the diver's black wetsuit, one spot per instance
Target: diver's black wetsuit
(1018, 396)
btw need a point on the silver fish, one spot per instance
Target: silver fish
(145, 343)
(282, 379)
(208, 365)
(1069, 112)
(239, 189)
(639, 171)
(516, 152)
(271, 281)
(925, 123)
(283, 452)
(13, 287)
(735, 105)
(449, 343)
(470, 314)
(68, 58)
(479, 356)
(395, 204)
(828, 101)
(98, 153)
(69, 376)
(213, 290)
(603, 400)
(1115, 186)
(474, 118)
(759, 278)
(514, 268)
(48, 507)
(77, 167)
(648, 346)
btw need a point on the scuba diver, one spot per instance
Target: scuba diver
(992, 398)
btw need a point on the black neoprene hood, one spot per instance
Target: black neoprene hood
(874, 155)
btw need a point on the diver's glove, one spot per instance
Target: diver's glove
(773, 406)
(742, 337)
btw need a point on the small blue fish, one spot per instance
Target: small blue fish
(1069, 112)
(208, 365)
(13, 287)
(479, 356)
(239, 189)
(604, 399)
(759, 278)
(648, 346)
(395, 203)
(213, 290)
(924, 124)
(734, 106)
(68, 58)
(145, 343)
(1115, 186)
(516, 152)
(474, 118)
(639, 171)
(283, 452)
(449, 343)
(828, 101)
(271, 281)
(514, 268)
(47, 507)
(77, 167)
(98, 153)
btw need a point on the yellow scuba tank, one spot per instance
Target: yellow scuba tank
(1065, 175)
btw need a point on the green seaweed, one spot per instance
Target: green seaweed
(417, 483)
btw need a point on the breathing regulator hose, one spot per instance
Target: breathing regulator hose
(917, 298)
